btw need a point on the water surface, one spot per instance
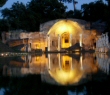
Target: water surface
(55, 74)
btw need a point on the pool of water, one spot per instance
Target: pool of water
(2, 91)
(55, 74)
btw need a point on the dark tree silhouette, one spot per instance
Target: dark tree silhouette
(2, 2)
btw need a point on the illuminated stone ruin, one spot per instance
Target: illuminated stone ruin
(55, 35)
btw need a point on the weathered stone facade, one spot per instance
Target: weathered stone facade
(55, 35)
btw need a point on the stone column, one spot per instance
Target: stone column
(80, 40)
(103, 40)
(59, 60)
(107, 40)
(70, 40)
(81, 62)
(29, 59)
(48, 42)
(71, 64)
(98, 46)
(24, 45)
(29, 47)
(49, 66)
(59, 44)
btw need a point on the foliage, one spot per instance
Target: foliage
(91, 11)
(4, 25)
(45, 10)
(2, 2)
(97, 10)
(108, 1)
(71, 14)
(70, 1)
(30, 16)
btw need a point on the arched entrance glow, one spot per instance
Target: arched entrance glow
(63, 31)
(63, 26)
(65, 40)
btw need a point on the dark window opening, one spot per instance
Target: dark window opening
(52, 43)
(66, 40)
(66, 62)
(53, 61)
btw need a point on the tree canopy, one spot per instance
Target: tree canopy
(28, 17)
(2, 2)
(94, 10)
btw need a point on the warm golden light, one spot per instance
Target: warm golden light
(66, 75)
(80, 40)
(72, 71)
(65, 26)
(66, 63)
(37, 45)
(66, 29)
(39, 61)
(66, 78)
(77, 50)
(65, 40)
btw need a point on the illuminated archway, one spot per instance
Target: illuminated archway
(65, 26)
(64, 31)
(65, 40)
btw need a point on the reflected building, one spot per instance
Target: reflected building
(103, 62)
(67, 70)
(57, 68)
(13, 66)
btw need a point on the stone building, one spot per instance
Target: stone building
(55, 35)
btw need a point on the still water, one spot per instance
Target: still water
(55, 74)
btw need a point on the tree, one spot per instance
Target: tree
(2, 2)
(70, 1)
(44, 10)
(71, 14)
(15, 15)
(94, 11)
(108, 1)
(4, 25)
(35, 12)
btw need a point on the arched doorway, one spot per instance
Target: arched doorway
(65, 40)
(66, 63)
(63, 32)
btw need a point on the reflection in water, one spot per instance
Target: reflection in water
(67, 70)
(62, 69)
(45, 75)
(103, 62)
